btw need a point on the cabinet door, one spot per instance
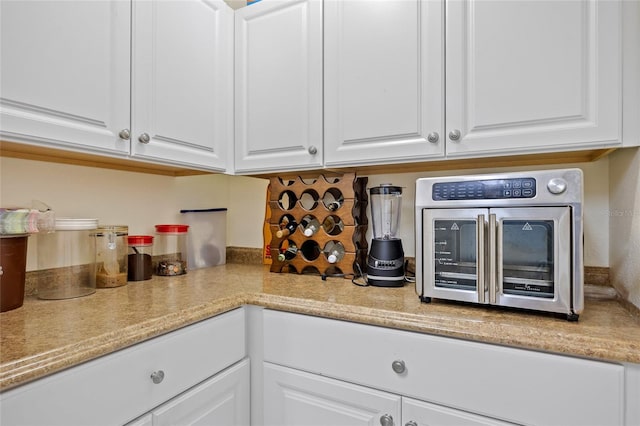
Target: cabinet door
(222, 400)
(65, 74)
(531, 76)
(182, 82)
(384, 87)
(278, 85)
(420, 413)
(295, 398)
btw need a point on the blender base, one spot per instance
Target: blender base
(385, 264)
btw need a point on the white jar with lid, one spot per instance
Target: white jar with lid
(67, 259)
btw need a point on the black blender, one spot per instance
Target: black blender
(385, 265)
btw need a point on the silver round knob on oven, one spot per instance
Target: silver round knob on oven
(557, 185)
(157, 376)
(399, 366)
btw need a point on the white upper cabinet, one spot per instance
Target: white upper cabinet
(65, 73)
(384, 91)
(278, 86)
(68, 79)
(182, 79)
(532, 76)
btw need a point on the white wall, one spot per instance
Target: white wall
(113, 197)
(624, 223)
(141, 201)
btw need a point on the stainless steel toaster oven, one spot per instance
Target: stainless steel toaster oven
(510, 239)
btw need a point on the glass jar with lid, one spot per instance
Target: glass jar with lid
(140, 257)
(111, 256)
(170, 250)
(67, 259)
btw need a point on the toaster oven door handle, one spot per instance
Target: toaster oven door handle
(493, 249)
(480, 260)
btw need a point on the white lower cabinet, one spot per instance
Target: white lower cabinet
(442, 380)
(119, 387)
(222, 400)
(296, 398)
(421, 413)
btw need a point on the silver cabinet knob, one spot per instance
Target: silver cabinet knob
(454, 135)
(433, 137)
(313, 150)
(386, 420)
(124, 134)
(411, 423)
(144, 138)
(399, 366)
(157, 376)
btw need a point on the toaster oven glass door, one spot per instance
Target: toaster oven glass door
(533, 256)
(454, 254)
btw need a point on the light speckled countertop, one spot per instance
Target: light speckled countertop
(42, 337)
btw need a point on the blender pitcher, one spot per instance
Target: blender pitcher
(385, 264)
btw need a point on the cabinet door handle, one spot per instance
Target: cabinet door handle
(313, 150)
(144, 138)
(433, 137)
(386, 420)
(399, 366)
(124, 134)
(454, 135)
(157, 376)
(411, 423)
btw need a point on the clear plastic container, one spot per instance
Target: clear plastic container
(170, 250)
(111, 256)
(140, 257)
(67, 259)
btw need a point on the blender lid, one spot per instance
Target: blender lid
(386, 189)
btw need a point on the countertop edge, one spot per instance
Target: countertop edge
(29, 369)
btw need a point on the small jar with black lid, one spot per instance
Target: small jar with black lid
(170, 250)
(139, 257)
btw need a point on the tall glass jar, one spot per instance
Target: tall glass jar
(170, 250)
(67, 259)
(111, 256)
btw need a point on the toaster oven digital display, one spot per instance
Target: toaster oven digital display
(496, 189)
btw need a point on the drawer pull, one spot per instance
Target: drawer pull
(411, 423)
(399, 366)
(386, 420)
(157, 376)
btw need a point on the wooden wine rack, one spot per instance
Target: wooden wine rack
(352, 213)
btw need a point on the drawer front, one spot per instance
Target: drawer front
(117, 388)
(505, 383)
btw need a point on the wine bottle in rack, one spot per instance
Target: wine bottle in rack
(288, 253)
(334, 250)
(289, 228)
(332, 199)
(310, 225)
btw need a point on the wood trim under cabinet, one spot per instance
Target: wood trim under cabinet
(52, 155)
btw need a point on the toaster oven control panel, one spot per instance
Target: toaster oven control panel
(497, 189)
